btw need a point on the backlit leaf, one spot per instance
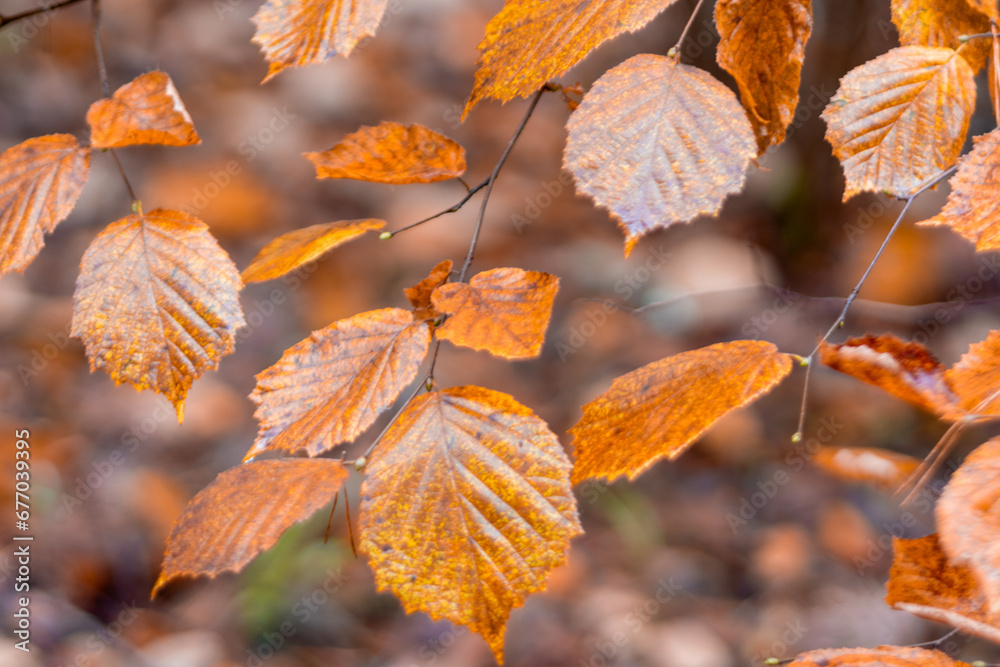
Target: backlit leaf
(883, 656)
(532, 41)
(304, 32)
(976, 377)
(900, 119)
(148, 110)
(330, 387)
(658, 410)
(466, 508)
(762, 44)
(657, 142)
(941, 23)
(879, 467)
(420, 294)
(503, 311)
(290, 251)
(924, 583)
(40, 182)
(157, 302)
(244, 512)
(392, 153)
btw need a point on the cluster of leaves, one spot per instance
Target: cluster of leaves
(467, 502)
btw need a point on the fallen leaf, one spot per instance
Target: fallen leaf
(941, 23)
(148, 110)
(41, 180)
(883, 656)
(466, 508)
(870, 465)
(657, 142)
(420, 294)
(658, 410)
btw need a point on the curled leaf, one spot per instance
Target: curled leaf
(420, 294)
(941, 23)
(148, 110)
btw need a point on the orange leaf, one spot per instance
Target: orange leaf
(244, 512)
(941, 23)
(976, 377)
(530, 42)
(973, 208)
(900, 119)
(870, 465)
(292, 33)
(157, 302)
(330, 387)
(657, 142)
(969, 523)
(420, 294)
(883, 656)
(467, 507)
(762, 44)
(392, 153)
(906, 370)
(40, 181)
(503, 311)
(658, 410)
(147, 110)
(924, 583)
(290, 251)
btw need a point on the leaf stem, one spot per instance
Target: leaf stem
(6, 20)
(676, 50)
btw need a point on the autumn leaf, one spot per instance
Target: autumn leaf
(294, 249)
(869, 465)
(658, 410)
(883, 656)
(330, 387)
(244, 512)
(923, 582)
(392, 153)
(976, 377)
(292, 33)
(420, 294)
(657, 142)
(148, 110)
(900, 119)
(762, 44)
(41, 180)
(941, 23)
(531, 41)
(466, 508)
(503, 311)
(973, 208)
(157, 302)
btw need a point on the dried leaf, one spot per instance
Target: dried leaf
(290, 251)
(869, 465)
(657, 142)
(292, 33)
(157, 302)
(941, 23)
(973, 208)
(883, 656)
(532, 41)
(244, 512)
(420, 294)
(467, 507)
(330, 387)
(658, 410)
(392, 153)
(148, 110)
(503, 311)
(762, 44)
(40, 181)
(900, 119)
(976, 377)
(924, 583)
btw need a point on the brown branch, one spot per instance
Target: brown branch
(7, 20)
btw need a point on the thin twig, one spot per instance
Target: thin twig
(350, 528)
(121, 170)
(687, 28)
(395, 417)
(102, 69)
(471, 191)
(7, 20)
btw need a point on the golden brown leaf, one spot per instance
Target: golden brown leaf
(924, 583)
(906, 370)
(988, 7)
(392, 153)
(148, 110)
(941, 23)
(532, 41)
(976, 377)
(503, 311)
(157, 302)
(290, 251)
(869, 465)
(973, 208)
(883, 656)
(900, 119)
(40, 181)
(657, 142)
(658, 410)
(330, 387)
(292, 33)
(467, 507)
(762, 44)
(420, 294)
(244, 512)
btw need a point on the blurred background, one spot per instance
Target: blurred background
(739, 551)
